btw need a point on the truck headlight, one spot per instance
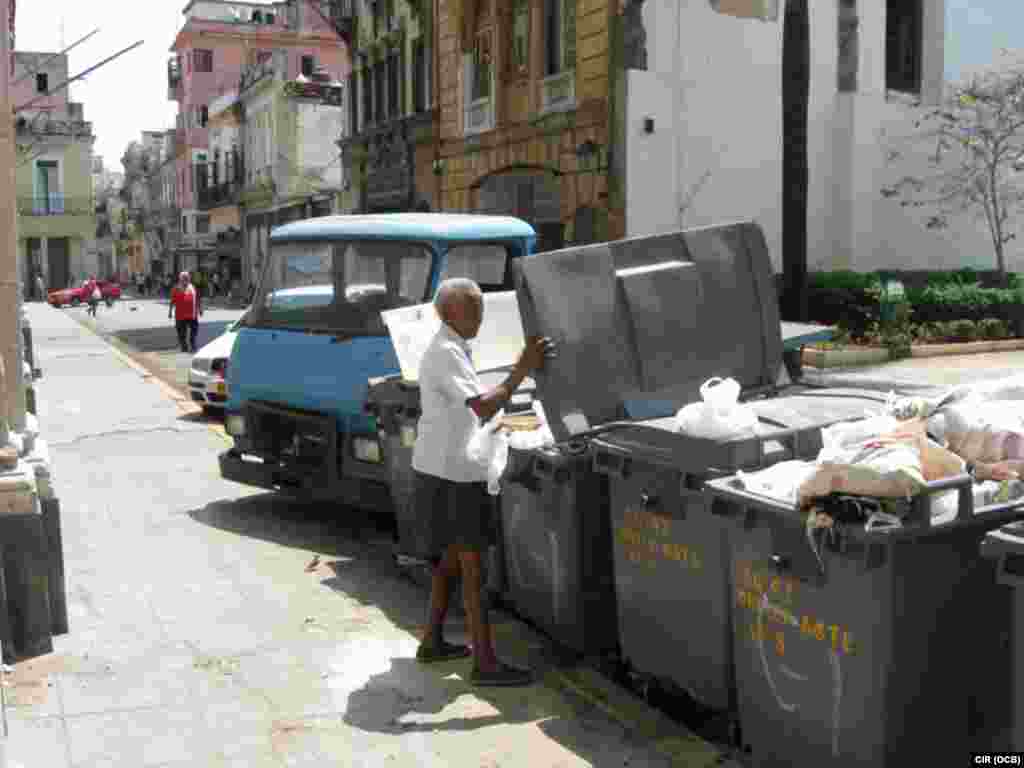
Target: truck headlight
(234, 424)
(367, 449)
(408, 436)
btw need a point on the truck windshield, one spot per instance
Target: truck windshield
(483, 262)
(340, 287)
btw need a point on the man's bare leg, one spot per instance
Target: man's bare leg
(433, 647)
(479, 627)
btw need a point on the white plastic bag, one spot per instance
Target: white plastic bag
(488, 448)
(719, 416)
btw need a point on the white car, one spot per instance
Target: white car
(209, 368)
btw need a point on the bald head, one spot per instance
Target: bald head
(459, 304)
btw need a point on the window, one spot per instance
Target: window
(263, 56)
(202, 225)
(367, 80)
(484, 263)
(380, 78)
(203, 60)
(341, 287)
(308, 64)
(559, 36)
(480, 83)
(393, 86)
(519, 41)
(903, 44)
(42, 83)
(419, 76)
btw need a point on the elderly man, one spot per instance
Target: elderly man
(451, 491)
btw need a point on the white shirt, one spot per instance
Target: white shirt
(447, 379)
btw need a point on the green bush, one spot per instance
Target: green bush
(842, 280)
(962, 330)
(993, 328)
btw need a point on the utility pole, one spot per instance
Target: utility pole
(796, 77)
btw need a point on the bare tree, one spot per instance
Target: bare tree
(978, 137)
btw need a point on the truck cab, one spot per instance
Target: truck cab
(298, 374)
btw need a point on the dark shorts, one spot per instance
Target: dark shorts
(453, 513)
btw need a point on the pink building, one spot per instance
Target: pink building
(218, 41)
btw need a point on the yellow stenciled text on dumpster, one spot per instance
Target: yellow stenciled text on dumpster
(645, 538)
(774, 599)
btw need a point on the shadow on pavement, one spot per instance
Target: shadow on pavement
(165, 338)
(410, 697)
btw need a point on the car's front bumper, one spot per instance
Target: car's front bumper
(210, 391)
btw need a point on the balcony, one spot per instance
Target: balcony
(56, 205)
(343, 16)
(173, 79)
(218, 185)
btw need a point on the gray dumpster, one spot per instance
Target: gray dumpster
(557, 541)
(870, 651)
(1002, 726)
(643, 323)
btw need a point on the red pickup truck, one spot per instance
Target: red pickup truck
(77, 295)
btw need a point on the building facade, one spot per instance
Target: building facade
(217, 43)
(876, 69)
(54, 185)
(291, 165)
(525, 115)
(390, 112)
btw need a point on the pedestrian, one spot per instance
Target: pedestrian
(41, 286)
(187, 308)
(149, 285)
(451, 491)
(94, 294)
(216, 284)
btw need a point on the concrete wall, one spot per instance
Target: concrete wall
(317, 156)
(726, 113)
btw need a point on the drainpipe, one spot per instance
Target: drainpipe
(435, 86)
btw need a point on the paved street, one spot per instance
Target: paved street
(140, 327)
(198, 638)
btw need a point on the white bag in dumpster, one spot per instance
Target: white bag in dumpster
(985, 430)
(780, 481)
(719, 416)
(488, 448)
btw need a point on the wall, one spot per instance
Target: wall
(728, 123)
(25, 64)
(317, 154)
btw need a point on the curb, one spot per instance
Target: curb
(682, 748)
(845, 357)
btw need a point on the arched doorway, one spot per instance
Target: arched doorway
(530, 195)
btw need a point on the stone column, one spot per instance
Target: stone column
(13, 393)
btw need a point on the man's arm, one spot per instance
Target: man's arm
(488, 404)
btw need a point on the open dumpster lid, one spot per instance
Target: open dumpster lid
(650, 317)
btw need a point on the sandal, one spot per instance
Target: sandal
(504, 675)
(443, 652)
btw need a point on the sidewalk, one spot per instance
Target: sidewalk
(199, 638)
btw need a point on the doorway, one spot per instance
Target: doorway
(58, 256)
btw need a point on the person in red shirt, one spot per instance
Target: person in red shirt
(187, 311)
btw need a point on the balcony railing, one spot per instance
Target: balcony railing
(56, 205)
